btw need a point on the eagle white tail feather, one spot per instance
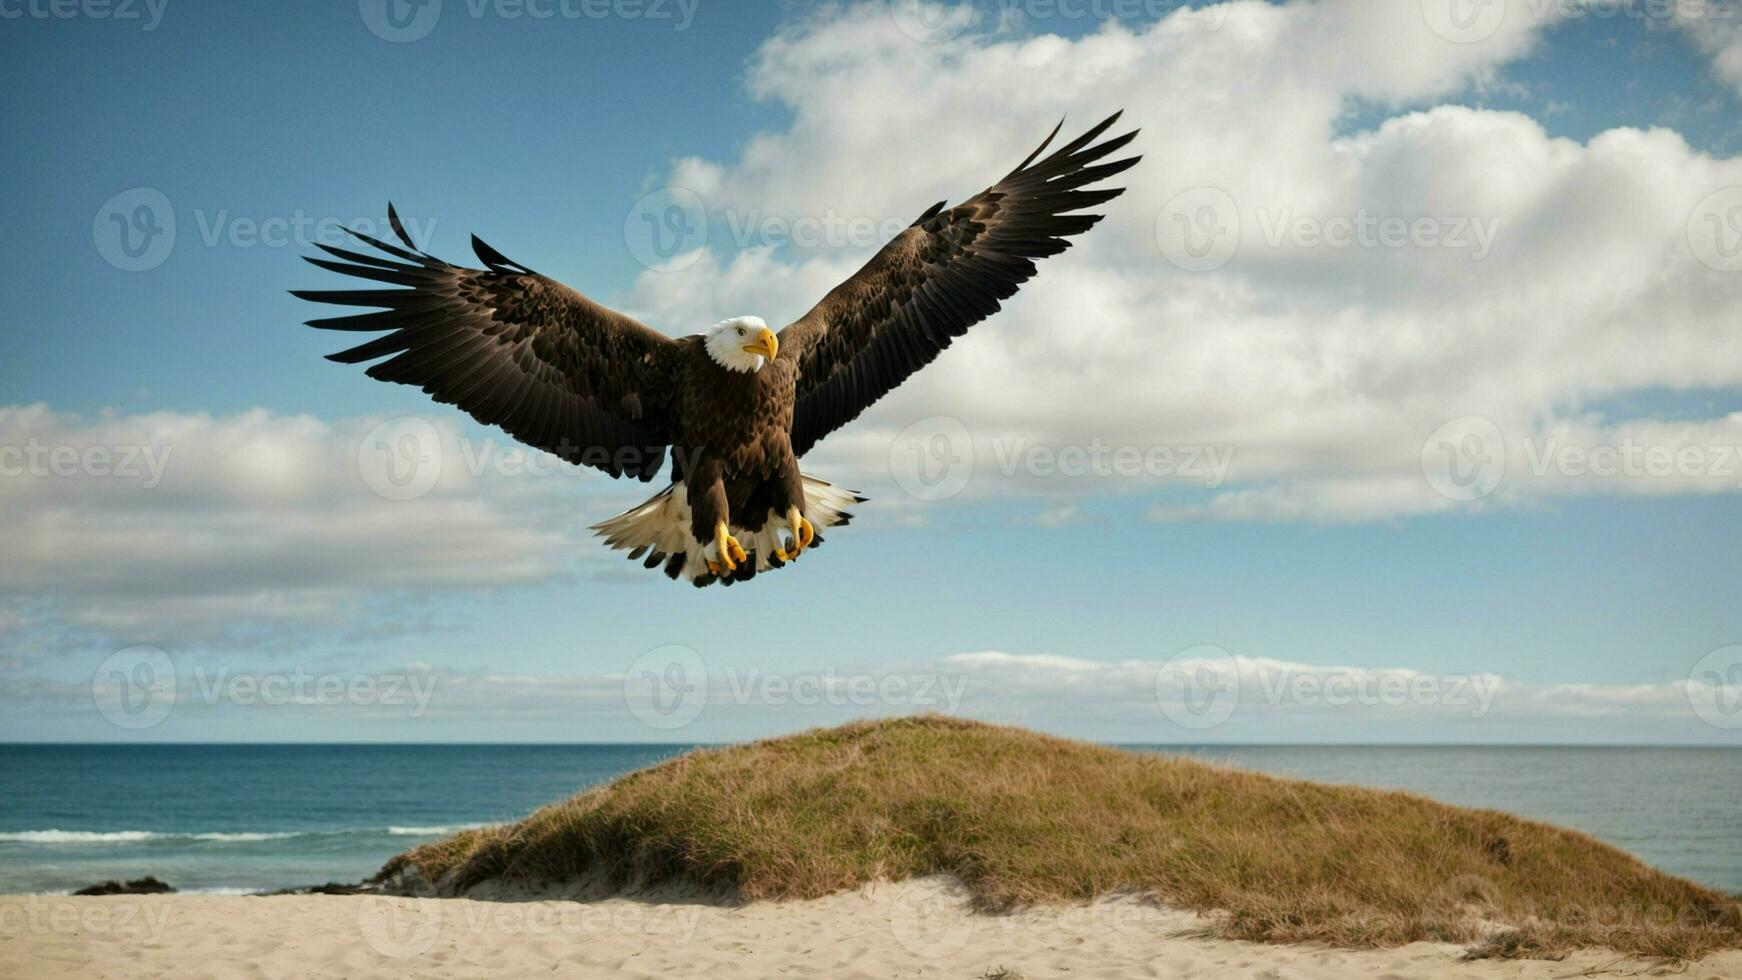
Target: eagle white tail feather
(658, 530)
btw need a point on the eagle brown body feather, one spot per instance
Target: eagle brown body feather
(735, 451)
(597, 388)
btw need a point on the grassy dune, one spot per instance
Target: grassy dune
(1023, 818)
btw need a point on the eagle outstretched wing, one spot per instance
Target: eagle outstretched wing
(944, 273)
(511, 347)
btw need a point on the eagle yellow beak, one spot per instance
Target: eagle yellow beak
(766, 344)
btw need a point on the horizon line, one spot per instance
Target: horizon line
(722, 744)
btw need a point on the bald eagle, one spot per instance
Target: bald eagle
(738, 404)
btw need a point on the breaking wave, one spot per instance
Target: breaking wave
(237, 837)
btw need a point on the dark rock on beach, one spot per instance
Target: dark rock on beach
(147, 885)
(330, 888)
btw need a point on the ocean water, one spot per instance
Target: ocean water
(1678, 809)
(241, 818)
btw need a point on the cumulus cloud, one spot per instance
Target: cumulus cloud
(1372, 285)
(197, 528)
(1716, 27)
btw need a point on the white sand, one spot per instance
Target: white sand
(911, 929)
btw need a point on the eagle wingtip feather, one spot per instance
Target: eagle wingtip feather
(399, 227)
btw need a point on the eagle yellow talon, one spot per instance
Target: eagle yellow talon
(730, 552)
(802, 536)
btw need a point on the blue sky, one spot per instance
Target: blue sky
(1324, 551)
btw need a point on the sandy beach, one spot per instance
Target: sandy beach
(918, 928)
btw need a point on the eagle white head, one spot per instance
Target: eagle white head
(742, 343)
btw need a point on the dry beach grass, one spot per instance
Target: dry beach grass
(1023, 819)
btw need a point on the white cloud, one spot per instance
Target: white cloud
(1204, 694)
(1716, 26)
(1550, 275)
(193, 527)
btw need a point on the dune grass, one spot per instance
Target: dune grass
(1023, 818)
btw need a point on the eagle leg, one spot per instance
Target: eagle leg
(802, 535)
(728, 549)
